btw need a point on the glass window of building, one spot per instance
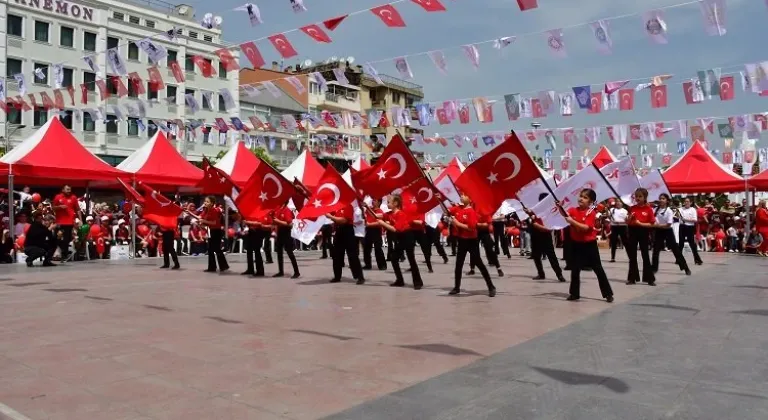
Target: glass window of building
(14, 114)
(133, 51)
(151, 92)
(90, 81)
(111, 121)
(12, 66)
(151, 128)
(15, 26)
(67, 37)
(43, 69)
(133, 126)
(222, 104)
(88, 123)
(172, 56)
(112, 42)
(189, 64)
(42, 31)
(89, 41)
(39, 116)
(69, 77)
(66, 119)
(171, 92)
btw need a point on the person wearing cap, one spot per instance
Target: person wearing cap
(40, 242)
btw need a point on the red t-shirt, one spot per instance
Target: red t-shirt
(643, 214)
(453, 211)
(761, 219)
(212, 215)
(415, 217)
(400, 220)
(467, 216)
(587, 217)
(485, 219)
(66, 217)
(285, 214)
(346, 212)
(266, 222)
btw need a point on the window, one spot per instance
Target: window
(90, 81)
(67, 37)
(118, 16)
(133, 126)
(89, 41)
(172, 56)
(206, 102)
(44, 68)
(207, 38)
(222, 105)
(15, 26)
(14, 115)
(206, 135)
(88, 123)
(151, 128)
(134, 20)
(396, 98)
(314, 88)
(222, 71)
(189, 64)
(12, 66)
(112, 42)
(193, 34)
(151, 91)
(39, 117)
(111, 121)
(66, 119)
(42, 31)
(189, 92)
(133, 51)
(68, 77)
(149, 23)
(170, 91)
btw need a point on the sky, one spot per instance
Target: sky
(528, 65)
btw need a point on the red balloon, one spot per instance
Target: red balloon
(512, 231)
(142, 229)
(127, 207)
(230, 233)
(95, 231)
(600, 208)
(446, 232)
(35, 198)
(20, 242)
(440, 226)
(26, 228)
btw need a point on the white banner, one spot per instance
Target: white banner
(568, 194)
(654, 183)
(621, 175)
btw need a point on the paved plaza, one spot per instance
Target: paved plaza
(126, 340)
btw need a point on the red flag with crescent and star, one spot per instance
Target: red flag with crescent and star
(266, 190)
(420, 197)
(389, 15)
(430, 5)
(282, 45)
(498, 175)
(395, 169)
(659, 96)
(159, 209)
(215, 181)
(332, 193)
(130, 193)
(253, 54)
(314, 32)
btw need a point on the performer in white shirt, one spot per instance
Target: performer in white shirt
(618, 215)
(663, 235)
(687, 232)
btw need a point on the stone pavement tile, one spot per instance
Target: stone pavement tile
(391, 407)
(218, 379)
(187, 408)
(704, 402)
(203, 350)
(145, 390)
(592, 408)
(454, 387)
(315, 394)
(272, 366)
(91, 373)
(737, 366)
(153, 361)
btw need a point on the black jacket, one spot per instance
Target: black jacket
(38, 236)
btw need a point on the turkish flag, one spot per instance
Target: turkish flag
(178, 74)
(84, 93)
(332, 193)
(71, 91)
(536, 110)
(442, 117)
(421, 196)
(464, 114)
(760, 118)
(634, 131)
(389, 15)
(281, 44)
(253, 54)
(120, 87)
(159, 209)
(498, 175)
(726, 88)
(430, 5)
(205, 66)
(609, 129)
(384, 121)
(688, 92)
(47, 101)
(266, 190)
(527, 4)
(395, 169)
(58, 99)
(227, 59)
(660, 130)
(138, 85)
(316, 33)
(334, 23)
(568, 136)
(130, 193)
(659, 96)
(155, 79)
(328, 118)
(215, 181)
(698, 134)
(595, 103)
(257, 123)
(103, 91)
(626, 99)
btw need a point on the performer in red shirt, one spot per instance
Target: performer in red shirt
(761, 222)
(640, 221)
(214, 220)
(585, 251)
(401, 224)
(373, 240)
(67, 209)
(485, 239)
(465, 222)
(283, 220)
(259, 230)
(344, 241)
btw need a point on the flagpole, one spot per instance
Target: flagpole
(132, 245)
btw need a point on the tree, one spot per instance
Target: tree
(538, 160)
(260, 153)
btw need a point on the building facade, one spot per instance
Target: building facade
(38, 34)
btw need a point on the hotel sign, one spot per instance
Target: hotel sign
(60, 7)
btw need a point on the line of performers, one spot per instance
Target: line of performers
(404, 230)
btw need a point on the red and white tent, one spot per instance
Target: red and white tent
(360, 164)
(697, 171)
(603, 157)
(306, 169)
(52, 155)
(452, 170)
(239, 163)
(759, 181)
(159, 164)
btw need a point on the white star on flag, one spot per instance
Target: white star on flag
(492, 177)
(317, 203)
(263, 196)
(382, 174)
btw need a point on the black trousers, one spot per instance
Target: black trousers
(284, 243)
(542, 245)
(406, 244)
(688, 234)
(484, 239)
(453, 243)
(618, 232)
(325, 233)
(373, 242)
(638, 238)
(500, 238)
(35, 252)
(391, 245)
(587, 254)
(169, 251)
(66, 239)
(666, 237)
(344, 241)
(267, 246)
(254, 242)
(420, 238)
(215, 252)
(567, 246)
(432, 236)
(472, 247)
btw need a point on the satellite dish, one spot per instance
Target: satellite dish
(334, 58)
(307, 63)
(183, 10)
(208, 16)
(218, 20)
(350, 59)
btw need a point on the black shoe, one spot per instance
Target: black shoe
(612, 260)
(454, 292)
(499, 272)
(335, 281)
(29, 264)
(572, 297)
(445, 260)
(609, 299)
(176, 267)
(430, 271)
(257, 275)
(699, 263)
(653, 283)
(165, 266)
(470, 272)
(562, 279)
(417, 286)
(492, 292)
(367, 267)
(209, 271)
(566, 268)
(538, 278)
(397, 284)
(48, 264)
(295, 275)
(360, 281)
(247, 273)
(687, 271)
(631, 282)
(268, 262)
(276, 275)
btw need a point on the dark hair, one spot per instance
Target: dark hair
(543, 196)
(211, 198)
(665, 195)
(643, 192)
(397, 199)
(589, 193)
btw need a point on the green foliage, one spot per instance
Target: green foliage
(260, 153)
(539, 161)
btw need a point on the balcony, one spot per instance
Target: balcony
(337, 98)
(324, 129)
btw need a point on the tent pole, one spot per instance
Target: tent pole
(132, 245)
(11, 216)
(748, 198)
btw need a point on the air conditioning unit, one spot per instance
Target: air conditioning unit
(184, 10)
